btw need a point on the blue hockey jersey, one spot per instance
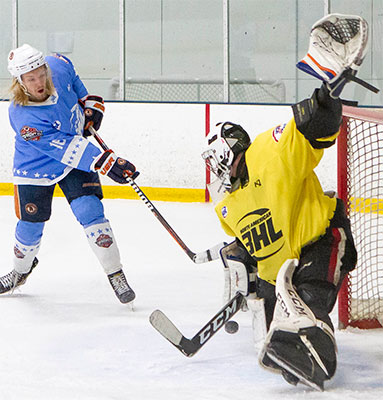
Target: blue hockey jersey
(48, 140)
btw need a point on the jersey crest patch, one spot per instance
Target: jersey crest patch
(29, 133)
(18, 253)
(277, 132)
(104, 241)
(224, 212)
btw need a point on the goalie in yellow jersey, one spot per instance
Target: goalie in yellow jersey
(293, 243)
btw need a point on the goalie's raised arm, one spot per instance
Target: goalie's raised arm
(318, 118)
(338, 45)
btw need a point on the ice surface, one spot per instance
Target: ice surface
(65, 336)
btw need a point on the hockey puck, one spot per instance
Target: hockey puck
(231, 327)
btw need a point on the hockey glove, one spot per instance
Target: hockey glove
(114, 167)
(338, 45)
(94, 112)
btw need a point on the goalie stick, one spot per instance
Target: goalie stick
(198, 258)
(189, 347)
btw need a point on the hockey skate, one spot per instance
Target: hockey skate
(307, 357)
(15, 279)
(120, 286)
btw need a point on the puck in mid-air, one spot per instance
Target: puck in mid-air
(231, 327)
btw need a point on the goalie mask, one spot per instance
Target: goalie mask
(225, 143)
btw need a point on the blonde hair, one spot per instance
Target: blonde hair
(19, 94)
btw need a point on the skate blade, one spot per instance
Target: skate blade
(130, 305)
(301, 378)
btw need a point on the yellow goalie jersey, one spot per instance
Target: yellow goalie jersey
(283, 207)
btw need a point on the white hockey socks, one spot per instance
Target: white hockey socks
(104, 246)
(24, 256)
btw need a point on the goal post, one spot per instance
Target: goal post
(360, 186)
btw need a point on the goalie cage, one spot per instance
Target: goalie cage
(360, 185)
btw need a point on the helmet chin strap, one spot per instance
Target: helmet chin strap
(23, 87)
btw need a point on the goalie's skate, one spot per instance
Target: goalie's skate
(120, 286)
(13, 279)
(299, 360)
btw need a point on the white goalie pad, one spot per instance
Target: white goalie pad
(257, 308)
(290, 313)
(297, 345)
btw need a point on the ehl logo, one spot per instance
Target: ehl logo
(260, 233)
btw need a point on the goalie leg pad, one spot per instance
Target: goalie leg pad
(298, 345)
(320, 297)
(257, 308)
(309, 355)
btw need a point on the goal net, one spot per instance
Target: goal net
(360, 185)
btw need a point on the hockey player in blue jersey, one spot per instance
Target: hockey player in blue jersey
(51, 113)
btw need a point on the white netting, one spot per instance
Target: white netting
(365, 205)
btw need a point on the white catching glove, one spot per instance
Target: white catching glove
(338, 45)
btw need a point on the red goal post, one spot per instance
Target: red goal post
(360, 185)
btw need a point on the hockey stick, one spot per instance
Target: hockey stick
(189, 347)
(198, 258)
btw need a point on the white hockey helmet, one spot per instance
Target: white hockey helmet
(224, 143)
(24, 59)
